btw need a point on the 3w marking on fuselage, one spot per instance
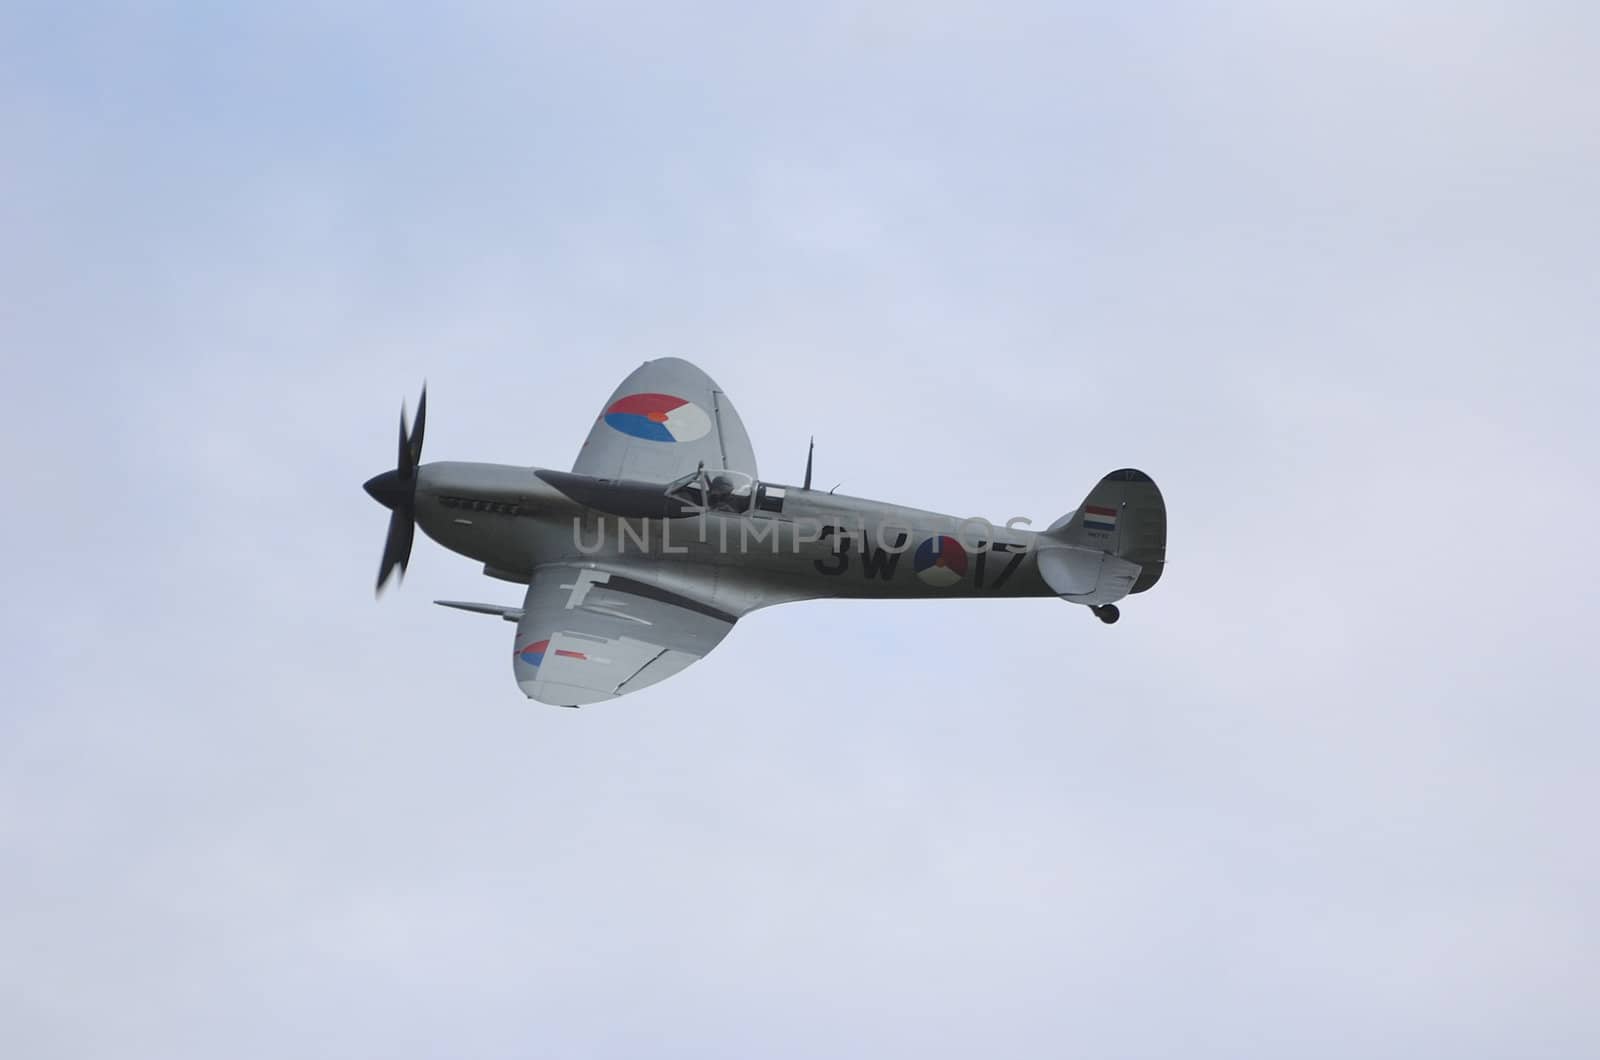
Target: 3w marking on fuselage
(878, 561)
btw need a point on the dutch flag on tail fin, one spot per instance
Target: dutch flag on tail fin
(1098, 517)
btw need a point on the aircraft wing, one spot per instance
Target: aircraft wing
(588, 634)
(662, 422)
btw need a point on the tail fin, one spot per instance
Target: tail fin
(1123, 516)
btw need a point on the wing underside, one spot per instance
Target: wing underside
(588, 634)
(662, 422)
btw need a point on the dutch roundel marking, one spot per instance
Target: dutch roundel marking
(534, 653)
(658, 418)
(940, 561)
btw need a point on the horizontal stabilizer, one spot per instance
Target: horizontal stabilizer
(1085, 575)
(510, 614)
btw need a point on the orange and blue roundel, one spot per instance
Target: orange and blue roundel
(658, 418)
(534, 653)
(940, 561)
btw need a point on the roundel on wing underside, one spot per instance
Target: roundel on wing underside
(658, 418)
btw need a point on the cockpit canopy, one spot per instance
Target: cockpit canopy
(721, 490)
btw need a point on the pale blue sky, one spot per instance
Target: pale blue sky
(1329, 275)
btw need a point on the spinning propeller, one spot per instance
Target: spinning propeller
(397, 491)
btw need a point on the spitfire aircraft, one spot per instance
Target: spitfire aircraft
(639, 560)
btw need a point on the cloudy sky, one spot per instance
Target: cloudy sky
(1329, 273)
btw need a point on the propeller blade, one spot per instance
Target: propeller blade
(403, 463)
(810, 450)
(417, 426)
(397, 547)
(397, 491)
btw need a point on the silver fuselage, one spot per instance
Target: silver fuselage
(802, 545)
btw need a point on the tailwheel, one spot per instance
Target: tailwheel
(1106, 613)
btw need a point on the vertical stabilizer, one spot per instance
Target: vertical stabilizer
(1123, 516)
